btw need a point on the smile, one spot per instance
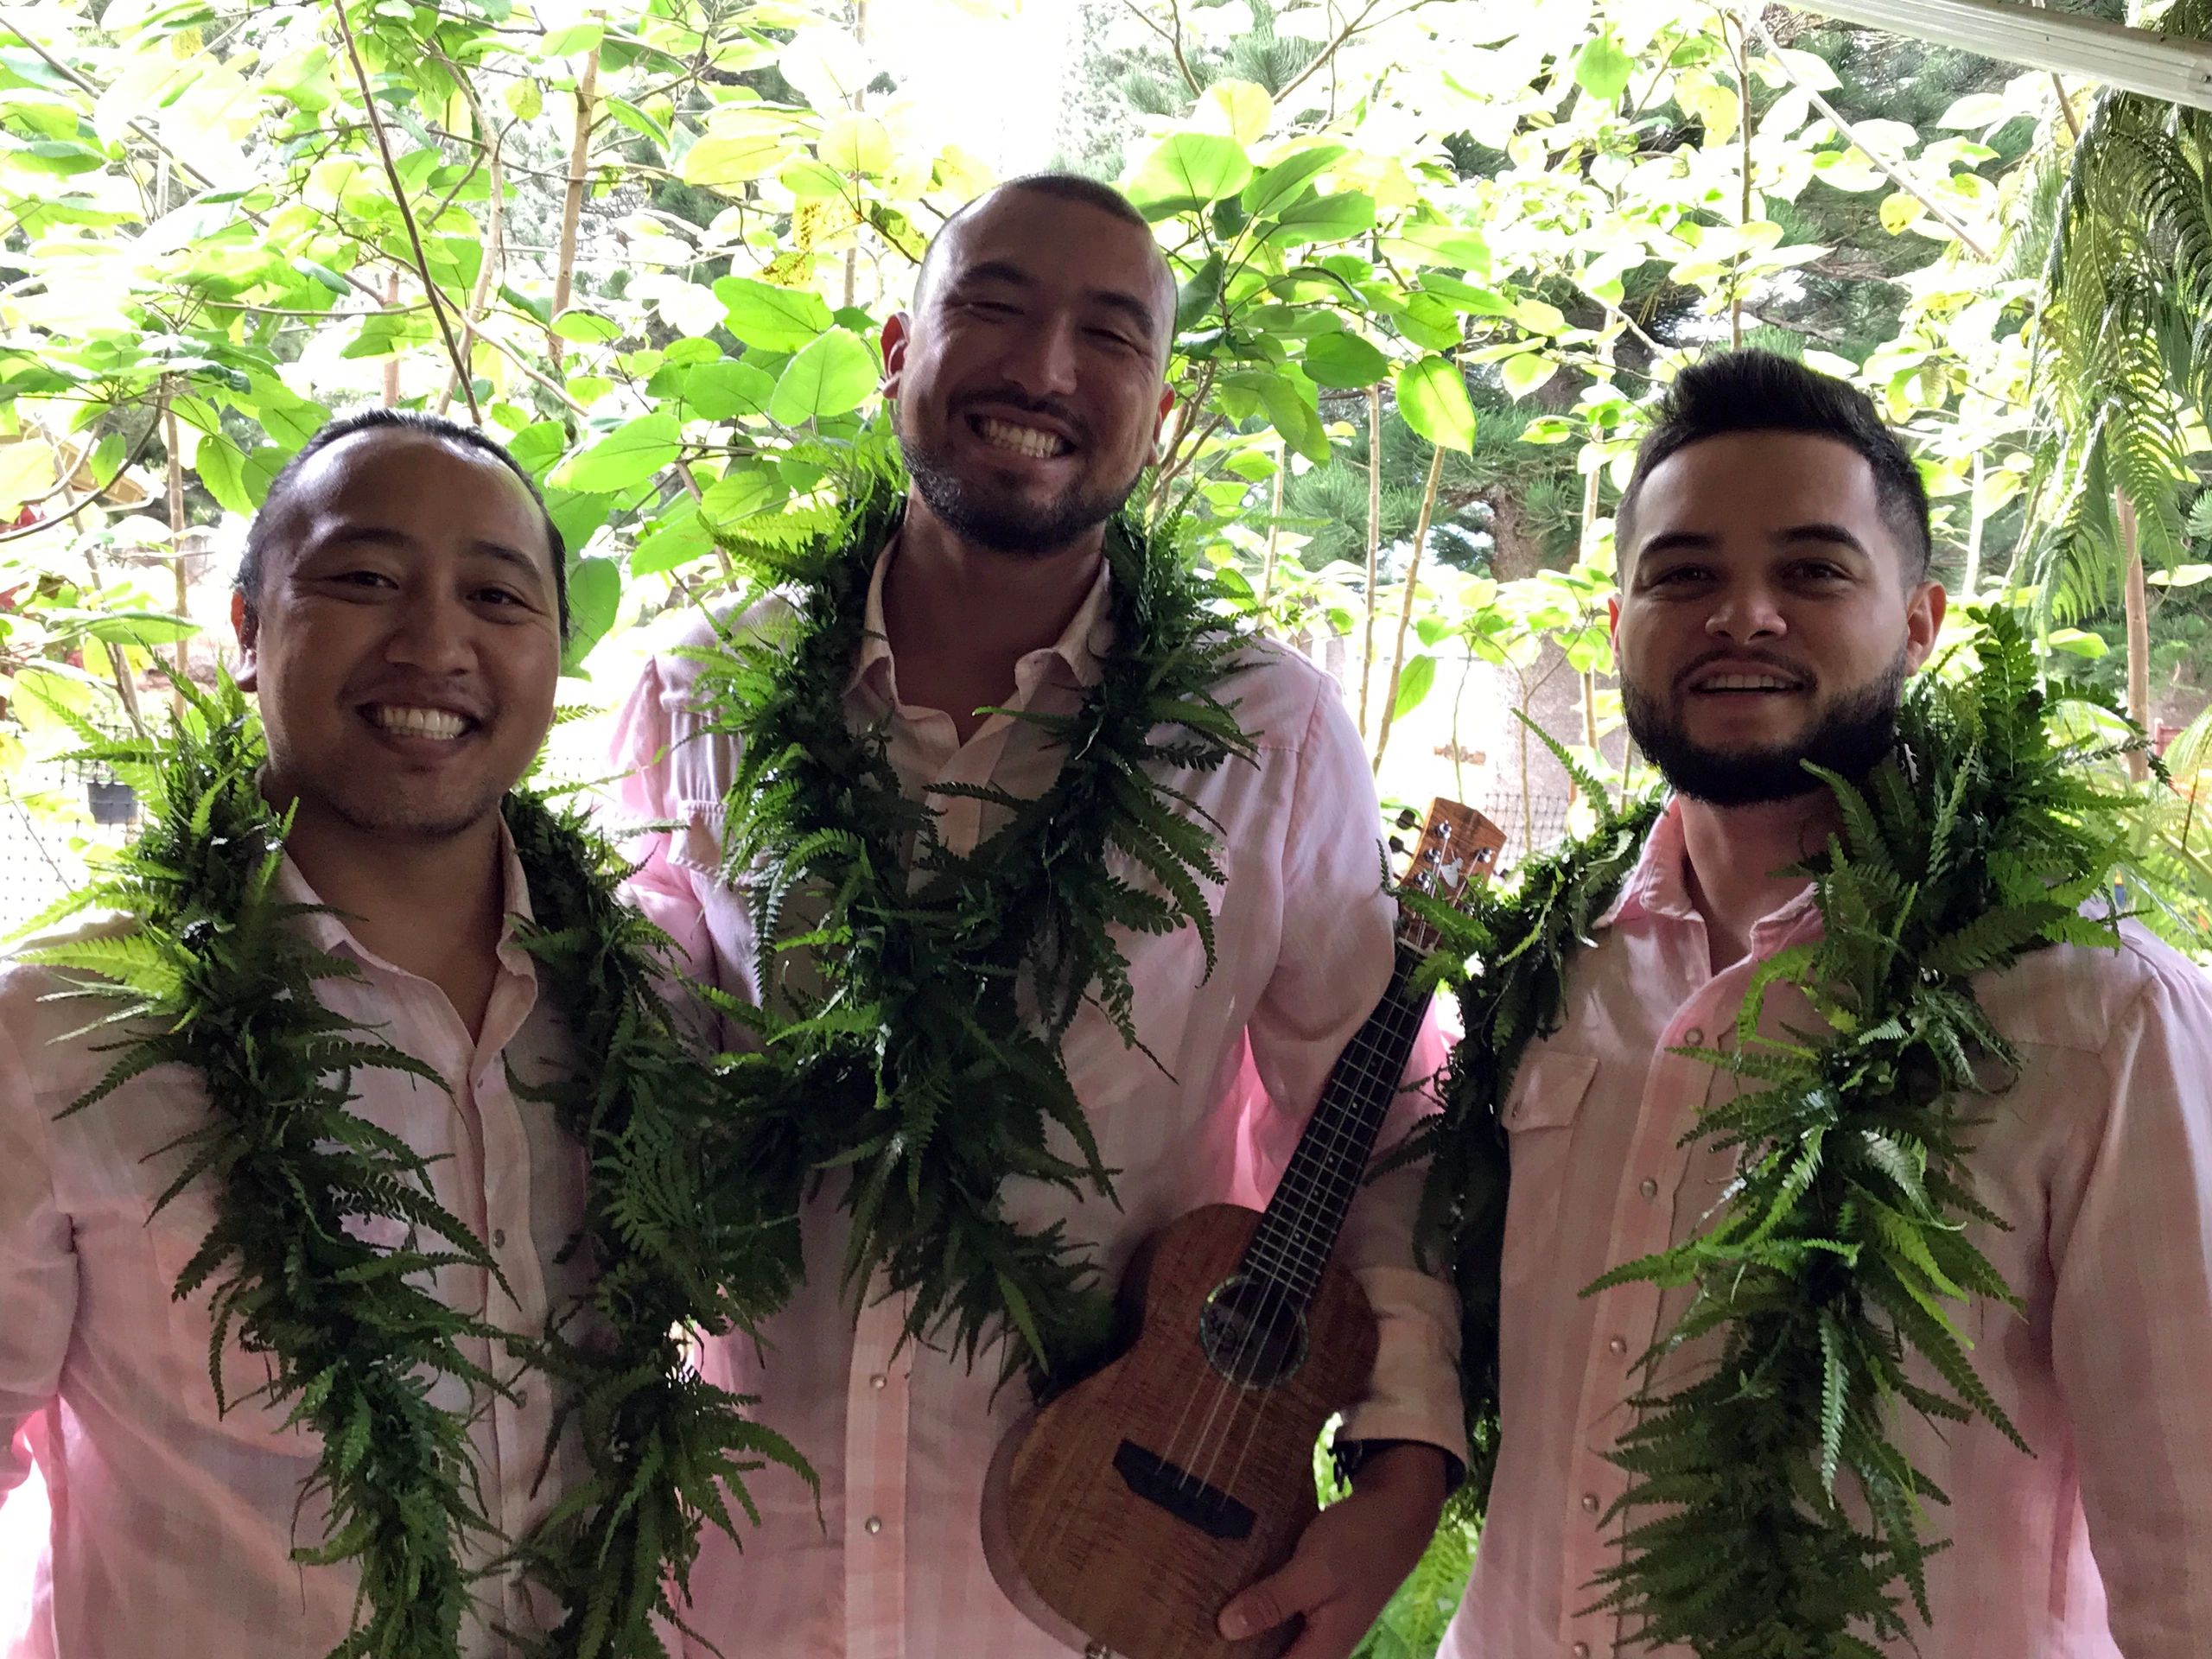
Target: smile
(1738, 683)
(1022, 439)
(441, 724)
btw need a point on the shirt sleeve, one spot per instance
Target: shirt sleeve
(2131, 1320)
(38, 1265)
(1333, 962)
(641, 751)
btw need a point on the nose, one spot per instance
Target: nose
(431, 632)
(1747, 611)
(1041, 361)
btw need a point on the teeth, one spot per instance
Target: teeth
(1023, 440)
(417, 722)
(1745, 682)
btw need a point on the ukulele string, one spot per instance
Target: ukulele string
(1397, 1026)
(1304, 1258)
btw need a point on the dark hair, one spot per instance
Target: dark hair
(1064, 187)
(248, 580)
(1759, 391)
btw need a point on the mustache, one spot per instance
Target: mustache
(1051, 409)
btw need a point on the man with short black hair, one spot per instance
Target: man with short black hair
(989, 629)
(1775, 595)
(331, 1150)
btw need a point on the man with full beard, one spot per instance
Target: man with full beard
(1029, 389)
(1774, 594)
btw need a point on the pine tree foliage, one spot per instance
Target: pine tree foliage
(925, 1066)
(1770, 1514)
(216, 975)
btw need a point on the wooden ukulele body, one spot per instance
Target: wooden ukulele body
(1134, 1505)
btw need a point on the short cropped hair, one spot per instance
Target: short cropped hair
(1751, 391)
(258, 534)
(1064, 187)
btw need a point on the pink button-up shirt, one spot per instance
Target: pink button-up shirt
(892, 1564)
(2101, 1158)
(172, 1525)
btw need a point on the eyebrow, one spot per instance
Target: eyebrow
(381, 536)
(1691, 541)
(1114, 298)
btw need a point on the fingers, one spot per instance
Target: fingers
(1300, 1588)
(1331, 1632)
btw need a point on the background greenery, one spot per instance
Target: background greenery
(1436, 259)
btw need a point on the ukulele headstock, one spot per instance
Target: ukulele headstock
(1459, 847)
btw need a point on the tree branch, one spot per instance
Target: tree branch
(406, 213)
(1405, 609)
(1844, 127)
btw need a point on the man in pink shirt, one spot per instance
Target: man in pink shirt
(1029, 389)
(401, 613)
(1773, 557)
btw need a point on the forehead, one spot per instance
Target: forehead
(1055, 243)
(1752, 482)
(429, 489)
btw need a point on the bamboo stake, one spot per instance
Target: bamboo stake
(572, 207)
(1374, 542)
(1405, 609)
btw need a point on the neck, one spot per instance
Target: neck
(1735, 853)
(432, 907)
(960, 616)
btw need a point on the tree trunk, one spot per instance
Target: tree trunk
(1515, 549)
(2138, 632)
(1374, 543)
(1405, 610)
(572, 209)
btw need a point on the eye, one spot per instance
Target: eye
(1822, 570)
(358, 579)
(991, 308)
(1109, 337)
(1677, 575)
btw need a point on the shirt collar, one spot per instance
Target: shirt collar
(328, 930)
(1081, 648)
(1659, 887)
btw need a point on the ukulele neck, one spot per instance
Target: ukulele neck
(1295, 1235)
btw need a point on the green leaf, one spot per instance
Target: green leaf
(221, 469)
(774, 319)
(1433, 399)
(832, 375)
(572, 42)
(673, 543)
(537, 446)
(1189, 171)
(742, 492)
(588, 327)
(1602, 69)
(724, 391)
(1272, 189)
(1344, 361)
(632, 454)
(1526, 372)
(1415, 680)
(855, 143)
(1324, 219)
(595, 593)
(2079, 642)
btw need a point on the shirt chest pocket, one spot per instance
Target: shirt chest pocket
(1546, 1098)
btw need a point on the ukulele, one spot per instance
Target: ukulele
(1122, 1516)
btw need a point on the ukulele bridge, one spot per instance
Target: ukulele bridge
(1182, 1494)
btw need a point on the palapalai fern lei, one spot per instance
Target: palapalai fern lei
(1840, 1250)
(926, 1066)
(216, 976)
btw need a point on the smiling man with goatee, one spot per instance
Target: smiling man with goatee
(989, 629)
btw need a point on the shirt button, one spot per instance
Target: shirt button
(498, 1238)
(878, 1381)
(1648, 1187)
(1617, 1345)
(1694, 1037)
(873, 1524)
(1590, 1503)
(1580, 1650)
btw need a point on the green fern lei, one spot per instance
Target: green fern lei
(928, 1066)
(217, 975)
(1840, 1248)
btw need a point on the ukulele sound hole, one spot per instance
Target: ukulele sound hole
(1252, 1332)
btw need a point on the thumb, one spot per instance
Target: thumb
(1300, 1587)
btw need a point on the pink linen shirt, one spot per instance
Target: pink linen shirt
(172, 1524)
(891, 1566)
(2100, 1157)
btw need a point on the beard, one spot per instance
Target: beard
(1852, 736)
(1001, 520)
